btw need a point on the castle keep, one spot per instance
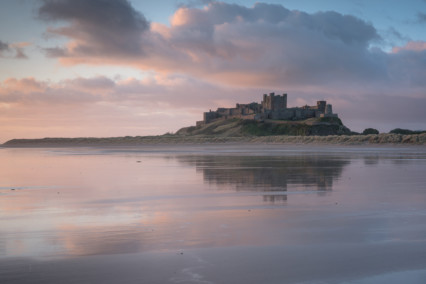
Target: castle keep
(272, 107)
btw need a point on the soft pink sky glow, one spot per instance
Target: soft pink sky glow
(207, 56)
(418, 46)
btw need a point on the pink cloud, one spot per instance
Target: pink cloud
(265, 45)
(24, 86)
(206, 58)
(100, 106)
(416, 46)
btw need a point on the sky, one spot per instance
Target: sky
(99, 68)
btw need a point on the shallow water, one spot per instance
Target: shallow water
(213, 214)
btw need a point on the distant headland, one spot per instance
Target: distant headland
(270, 121)
(269, 117)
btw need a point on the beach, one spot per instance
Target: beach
(212, 142)
(213, 213)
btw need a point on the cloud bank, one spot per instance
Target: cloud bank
(98, 28)
(102, 106)
(264, 45)
(218, 55)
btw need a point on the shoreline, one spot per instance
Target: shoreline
(372, 139)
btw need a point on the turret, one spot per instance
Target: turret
(328, 109)
(321, 106)
(273, 102)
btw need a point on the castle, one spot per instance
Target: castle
(272, 107)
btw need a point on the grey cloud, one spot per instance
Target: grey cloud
(358, 107)
(193, 3)
(333, 25)
(77, 91)
(97, 83)
(265, 45)
(220, 13)
(393, 37)
(55, 52)
(107, 27)
(3, 46)
(102, 89)
(346, 28)
(408, 67)
(12, 51)
(281, 46)
(152, 94)
(114, 28)
(421, 17)
(384, 112)
(20, 53)
(285, 48)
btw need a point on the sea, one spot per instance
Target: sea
(213, 213)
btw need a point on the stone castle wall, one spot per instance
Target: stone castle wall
(272, 107)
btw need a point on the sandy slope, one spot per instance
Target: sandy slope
(415, 139)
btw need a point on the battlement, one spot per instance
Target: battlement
(273, 102)
(272, 107)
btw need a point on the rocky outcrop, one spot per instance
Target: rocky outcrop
(244, 127)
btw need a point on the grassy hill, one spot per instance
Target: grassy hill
(243, 127)
(310, 131)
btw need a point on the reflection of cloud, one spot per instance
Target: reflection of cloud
(95, 240)
(269, 174)
(159, 230)
(108, 203)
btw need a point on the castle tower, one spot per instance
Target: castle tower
(273, 102)
(321, 106)
(267, 101)
(280, 102)
(328, 110)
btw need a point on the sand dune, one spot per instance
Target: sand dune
(415, 139)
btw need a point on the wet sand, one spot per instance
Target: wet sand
(213, 214)
(337, 263)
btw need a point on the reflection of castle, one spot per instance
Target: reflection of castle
(272, 107)
(269, 174)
